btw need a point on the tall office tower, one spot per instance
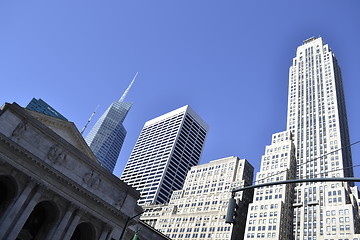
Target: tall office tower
(270, 215)
(317, 119)
(198, 210)
(39, 105)
(108, 134)
(168, 146)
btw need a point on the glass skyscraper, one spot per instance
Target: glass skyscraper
(168, 146)
(39, 105)
(107, 136)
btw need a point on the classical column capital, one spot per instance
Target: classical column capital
(72, 207)
(107, 227)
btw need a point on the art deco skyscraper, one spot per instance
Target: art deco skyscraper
(315, 145)
(168, 146)
(317, 119)
(108, 134)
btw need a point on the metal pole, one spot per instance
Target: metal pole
(231, 201)
(126, 223)
(346, 179)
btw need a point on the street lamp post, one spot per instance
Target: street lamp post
(126, 223)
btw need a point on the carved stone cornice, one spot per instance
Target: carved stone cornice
(92, 179)
(119, 202)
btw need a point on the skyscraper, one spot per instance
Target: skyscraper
(39, 105)
(168, 146)
(108, 134)
(318, 137)
(317, 119)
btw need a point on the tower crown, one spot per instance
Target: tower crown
(309, 40)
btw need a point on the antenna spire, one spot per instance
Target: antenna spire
(128, 89)
(82, 131)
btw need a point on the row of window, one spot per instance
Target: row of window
(341, 220)
(203, 229)
(217, 236)
(262, 228)
(264, 214)
(261, 235)
(331, 230)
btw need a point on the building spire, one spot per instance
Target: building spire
(128, 89)
(82, 131)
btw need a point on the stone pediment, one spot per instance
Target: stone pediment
(65, 129)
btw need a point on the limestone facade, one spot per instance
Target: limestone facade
(52, 186)
(198, 210)
(270, 214)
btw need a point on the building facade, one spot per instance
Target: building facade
(168, 146)
(52, 187)
(317, 119)
(317, 125)
(39, 105)
(198, 210)
(270, 214)
(108, 134)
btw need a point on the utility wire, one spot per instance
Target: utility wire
(322, 156)
(353, 166)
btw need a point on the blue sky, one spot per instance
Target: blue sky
(228, 60)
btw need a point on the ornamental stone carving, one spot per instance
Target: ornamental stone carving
(92, 179)
(19, 130)
(120, 200)
(56, 153)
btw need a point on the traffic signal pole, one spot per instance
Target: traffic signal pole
(232, 202)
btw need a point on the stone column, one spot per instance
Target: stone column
(13, 211)
(105, 232)
(24, 215)
(72, 226)
(60, 229)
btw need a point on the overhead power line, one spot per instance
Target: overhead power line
(322, 156)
